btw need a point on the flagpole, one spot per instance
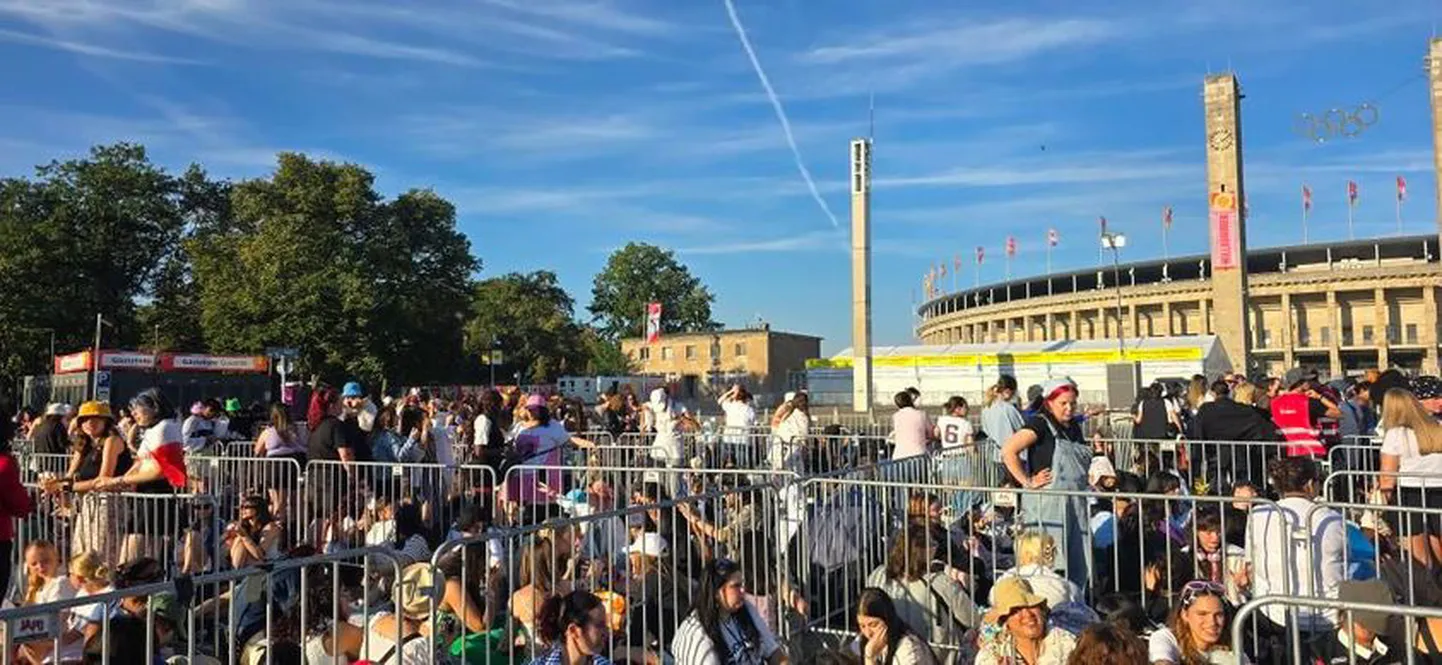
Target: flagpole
(1165, 253)
(1304, 220)
(1350, 234)
(1048, 256)
(1399, 215)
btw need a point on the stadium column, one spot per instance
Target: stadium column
(1429, 330)
(861, 275)
(1289, 335)
(1381, 331)
(1226, 224)
(1434, 81)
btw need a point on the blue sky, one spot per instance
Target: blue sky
(564, 129)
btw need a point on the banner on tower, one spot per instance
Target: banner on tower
(1226, 239)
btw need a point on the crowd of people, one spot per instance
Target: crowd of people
(1062, 536)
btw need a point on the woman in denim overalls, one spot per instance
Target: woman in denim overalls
(1064, 517)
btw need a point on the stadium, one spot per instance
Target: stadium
(1340, 307)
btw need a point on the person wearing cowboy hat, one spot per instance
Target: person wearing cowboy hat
(1016, 629)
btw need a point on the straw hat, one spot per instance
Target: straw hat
(415, 589)
(1012, 594)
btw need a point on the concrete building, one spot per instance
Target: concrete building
(1341, 307)
(701, 364)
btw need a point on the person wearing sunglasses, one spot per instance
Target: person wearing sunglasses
(576, 627)
(1198, 631)
(725, 628)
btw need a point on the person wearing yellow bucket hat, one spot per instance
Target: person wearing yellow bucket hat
(97, 453)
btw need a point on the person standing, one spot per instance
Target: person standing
(1000, 418)
(48, 436)
(1058, 457)
(14, 502)
(912, 428)
(1299, 411)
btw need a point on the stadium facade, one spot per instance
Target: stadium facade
(1340, 307)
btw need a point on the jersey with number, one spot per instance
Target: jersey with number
(955, 431)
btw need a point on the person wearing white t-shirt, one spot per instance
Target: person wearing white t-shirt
(1412, 448)
(790, 427)
(664, 417)
(954, 428)
(740, 412)
(912, 428)
(1297, 548)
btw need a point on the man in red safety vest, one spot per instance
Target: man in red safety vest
(1299, 411)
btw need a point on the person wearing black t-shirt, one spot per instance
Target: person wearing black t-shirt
(331, 439)
(1058, 458)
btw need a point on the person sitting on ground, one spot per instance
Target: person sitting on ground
(725, 628)
(1017, 630)
(1108, 644)
(1199, 630)
(932, 603)
(885, 637)
(1035, 556)
(576, 626)
(1362, 637)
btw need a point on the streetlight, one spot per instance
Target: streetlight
(1115, 242)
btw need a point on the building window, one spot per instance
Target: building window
(1267, 339)
(1326, 336)
(1411, 333)
(665, 353)
(644, 353)
(739, 349)
(690, 351)
(1366, 334)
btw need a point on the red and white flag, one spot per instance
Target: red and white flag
(1052, 237)
(1351, 192)
(956, 263)
(1306, 198)
(1167, 217)
(653, 322)
(1011, 246)
(980, 254)
(1401, 189)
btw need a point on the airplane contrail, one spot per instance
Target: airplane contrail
(780, 111)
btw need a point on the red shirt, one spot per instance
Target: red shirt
(14, 498)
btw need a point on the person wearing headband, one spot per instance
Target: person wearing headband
(1058, 458)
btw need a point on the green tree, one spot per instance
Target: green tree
(529, 317)
(81, 237)
(638, 274)
(313, 257)
(604, 356)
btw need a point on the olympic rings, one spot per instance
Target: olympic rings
(1337, 122)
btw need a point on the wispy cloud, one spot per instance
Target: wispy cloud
(94, 50)
(816, 241)
(780, 110)
(957, 44)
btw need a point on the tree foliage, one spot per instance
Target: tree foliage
(314, 258)
(638, 274)
(530, 319)
(86, 236)
(311, 257)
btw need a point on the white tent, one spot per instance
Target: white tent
(940, 371)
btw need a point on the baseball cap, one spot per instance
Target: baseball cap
(1298, 375)
(1370, 592)
(57, 409)
(352, 389)
(649, 544)
(1427, 387)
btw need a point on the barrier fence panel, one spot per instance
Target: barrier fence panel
(119, 527)
(909, 539)
(349, 503)
(274, 480)
(36, 466)
(1250, 634)
(245, 615)
(1384, 540)
(1200, 463)
(644, 561)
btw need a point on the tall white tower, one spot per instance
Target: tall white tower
(861, 275)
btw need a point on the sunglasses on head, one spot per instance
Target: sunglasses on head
(1193, 590)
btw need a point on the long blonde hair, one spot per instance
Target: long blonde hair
(89, 568)
(1245, 392)
(1400, 408)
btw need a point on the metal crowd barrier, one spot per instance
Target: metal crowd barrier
(120, 526)
(1296, 651)
(275, 603)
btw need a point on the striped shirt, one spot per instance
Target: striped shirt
(692, 646)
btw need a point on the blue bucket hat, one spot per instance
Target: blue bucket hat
(352, 389)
